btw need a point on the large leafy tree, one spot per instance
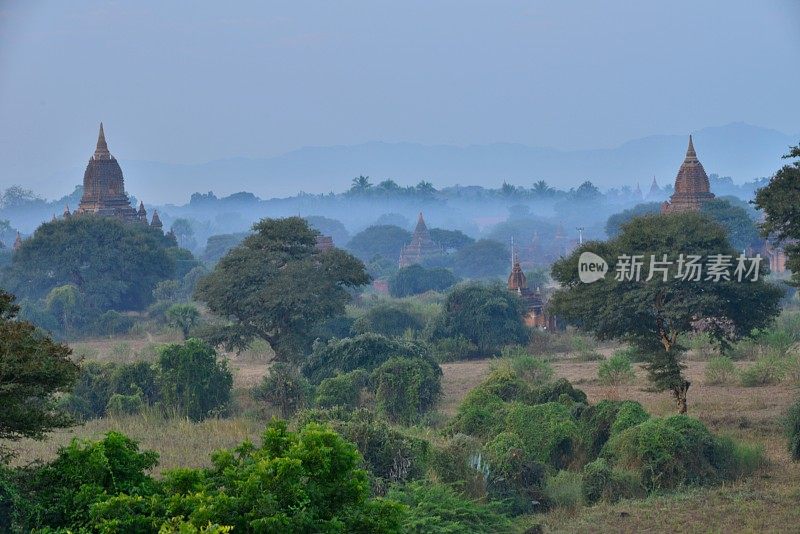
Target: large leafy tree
(112, 264)
(450, 239)
(652, 314)
(33, 369)
(780, 200)
(482, 259)
(383, 240)
(277, 286)
(489, 316)
(740, 228)
(415, 279)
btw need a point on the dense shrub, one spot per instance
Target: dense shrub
(415, 279)
(532, 370)
(366, 351)
(792, 424)
(389, 319)
(405, 388)
(558, 390)
(630, 414)
(137, 377)
(342, 390)
(308, 481)
(601, 482)
(720, 371)
(600, 421)
(112, 323)
(616, 370)
(134, 383)
(548, 431)
(766, 371)
(480, 414)
(284, 388)
(564, 490)
(193, 383)
(120, 404)
(438, 509)
(459, 462)
(676, 451)
(388, 453)
(62, 493)
(91, 392)
(451, 349)
(514, 477)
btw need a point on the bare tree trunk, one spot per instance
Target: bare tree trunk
(679, 392)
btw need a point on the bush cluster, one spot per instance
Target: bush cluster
(306, 481)
(187, 380)
(546, 443)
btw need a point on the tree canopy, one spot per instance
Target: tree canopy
(652, 314)
(450, 240)
(113, 265)
(381, 240)
(780, 201)
(277, 286)
(482, 259)
(33, 369)
(489, 316)
(416, 279)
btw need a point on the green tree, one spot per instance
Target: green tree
(390, 319)
(305, 481)
(365, 351)
(542, 190)
(482, 259)
(780, 201)
(191, 380)
(361, 185)
(284, 388)
(184, 317)
(405, 388)
(652, 314)
(278, 286)
(383, 240)
(33, 370)
(489, 316)
(63, 302)
(615, 222)
(184, 233)
(329, 227)
(416, 279)
(218, 245)
(114, 265)
(450, 239)
(741, 229)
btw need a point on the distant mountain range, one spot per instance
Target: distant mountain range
(739, 150)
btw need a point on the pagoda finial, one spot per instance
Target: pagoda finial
(101, 152)
(421, 226)
(690, 153)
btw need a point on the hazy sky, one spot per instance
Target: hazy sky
(193, 81)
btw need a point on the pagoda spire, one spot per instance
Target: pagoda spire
(101, 152)
(421, 226)
(690, 153)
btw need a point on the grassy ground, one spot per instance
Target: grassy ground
(766, 502)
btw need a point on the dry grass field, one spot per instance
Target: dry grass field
(766, 502)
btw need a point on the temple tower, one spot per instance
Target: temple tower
(421, 247)
(692, 189)
(103, 185)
